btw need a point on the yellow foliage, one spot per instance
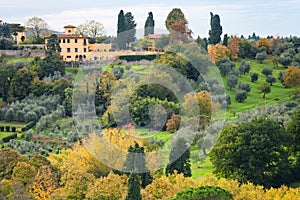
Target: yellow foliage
(217, 52)
(111, 187)
(199, 103)
(292, 77)
(167, 187)
(264, 42)
(44, 183)
(78, 158)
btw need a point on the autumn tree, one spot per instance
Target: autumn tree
(180, 32)
(149, 25)
(292, 77)
(197, 104)
(179, 158)
(215, 31)
(44, 183)
(24, 173)
(264, 42)
(233, 46)
(217, 52)
(37, 26)
(173, 123)
(175, 15)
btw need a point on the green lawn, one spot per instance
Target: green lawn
(254, 98)
(13, 60)
(201, 168)
(4, 134)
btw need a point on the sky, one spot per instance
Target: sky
(276, 17)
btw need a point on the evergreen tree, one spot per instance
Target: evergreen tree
(225, 40)
(53, 45)
(134, 190)
(149, 25)
(5, 30)
(216, 29)
(135, 163)
(121, 38)
(179, 158)
(130, 28)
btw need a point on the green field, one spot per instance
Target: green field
(254, 98)
(14, 60)
(202, 168)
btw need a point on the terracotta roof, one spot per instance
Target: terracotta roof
(66, 36)
(69, 26)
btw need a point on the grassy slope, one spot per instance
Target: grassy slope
(254, 96)
(13, 60)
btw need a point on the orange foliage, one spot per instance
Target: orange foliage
(234, 47)
(264, 42)
(218, 51)
(292, 77)
(173, 123)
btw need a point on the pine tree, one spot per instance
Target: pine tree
(53, 45)
(121, 39)
(179, 159)
(149, 25)
(135, 163)
(134, 190)
(216, 29)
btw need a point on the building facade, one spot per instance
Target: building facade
(74, 47)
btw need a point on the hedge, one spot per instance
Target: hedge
(9, 137)
(7, 128)
(1, 128)
(138, 57)
(28, 126)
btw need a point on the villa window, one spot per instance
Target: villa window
(64, 41)
(69, 31)
(68, 50)
(84, 42)
(69, 56)
(76, 49)
(76, 41)
(84, 49)
(68, 40)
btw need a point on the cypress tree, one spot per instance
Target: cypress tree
(130, 28)
(216, 29)
(136, 163)
(225, 40)
(121, 38)
(179, 158)
(134, 190)
(149, 25)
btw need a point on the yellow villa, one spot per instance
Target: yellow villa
(74, 47)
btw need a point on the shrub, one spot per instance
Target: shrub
(29, 126)
(173, 123)
(204, 193)
(10, 137)
(254, 77)
(13, 129)
(138, 57)
(244, 86)
(267, 71)
(240, 95)
(7, 128)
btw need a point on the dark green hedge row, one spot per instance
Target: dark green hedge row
(138, 57)
(28, 126)
(9, 137)
(8, 129)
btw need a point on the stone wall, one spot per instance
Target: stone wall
(23, 53)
